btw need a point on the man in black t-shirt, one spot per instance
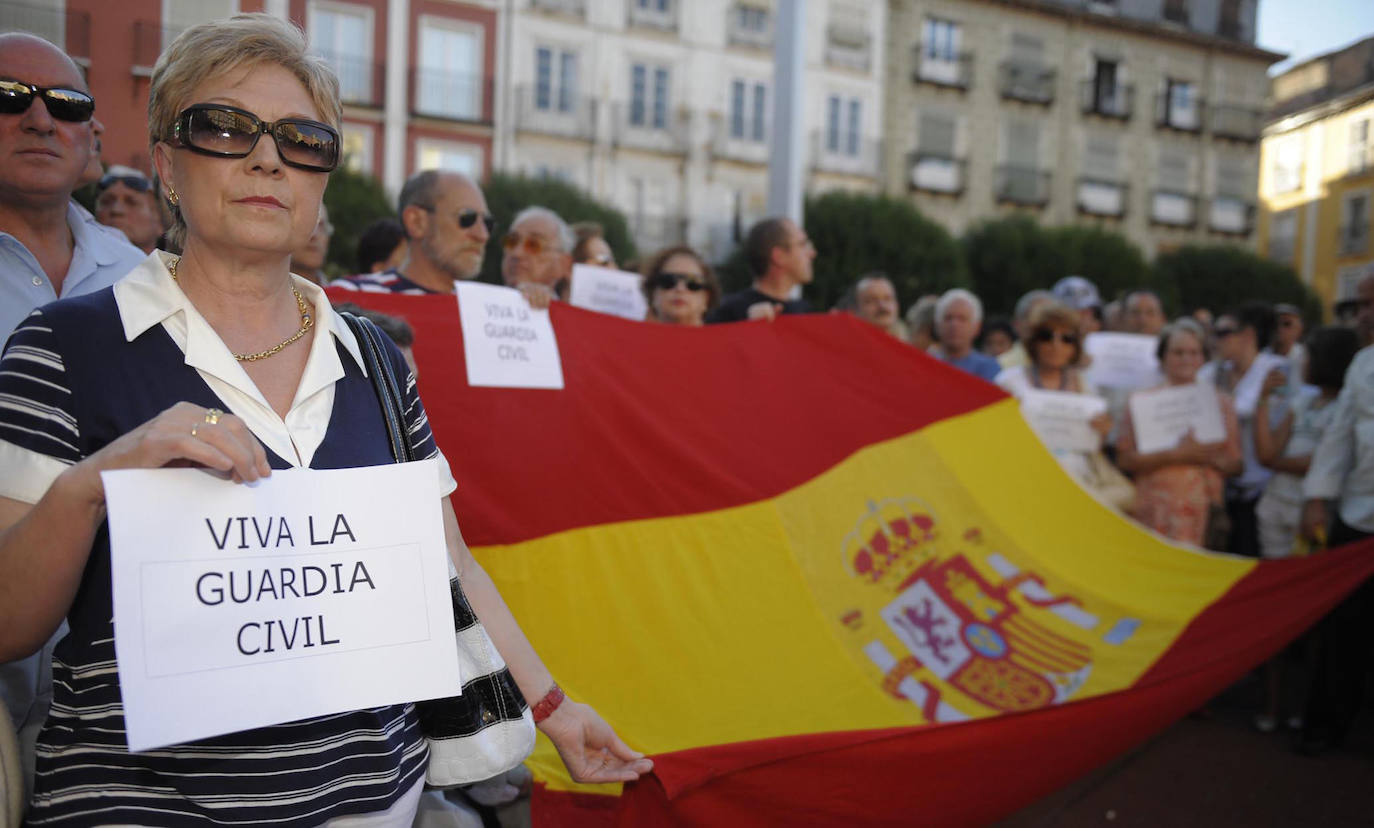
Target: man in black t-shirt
(779, 255)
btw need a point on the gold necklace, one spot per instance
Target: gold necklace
(307, 322)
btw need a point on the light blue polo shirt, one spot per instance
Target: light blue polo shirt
(101, 256)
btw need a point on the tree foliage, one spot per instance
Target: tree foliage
(1010, 256)
(354, 200)
(855, 233)
(1222, 276)
(508, 194)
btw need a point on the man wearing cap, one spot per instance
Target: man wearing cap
(127, 201)
(1081, 295)
(49, 247)
(1288, 340)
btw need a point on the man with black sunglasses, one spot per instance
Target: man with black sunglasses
(127, 201)
(447, 225)
(49, 247)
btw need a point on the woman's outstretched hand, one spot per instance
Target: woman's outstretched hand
(589, 747)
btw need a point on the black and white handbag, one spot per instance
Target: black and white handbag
(488, 729)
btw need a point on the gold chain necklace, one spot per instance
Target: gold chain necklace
(307, 322)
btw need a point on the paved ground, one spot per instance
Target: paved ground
(1218, 770)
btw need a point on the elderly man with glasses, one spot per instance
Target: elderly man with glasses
(447, 225)
(127, 201)
(49, 247)
(538, 255)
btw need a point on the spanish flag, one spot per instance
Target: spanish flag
(824, 579)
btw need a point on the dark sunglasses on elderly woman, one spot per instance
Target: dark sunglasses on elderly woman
(229, 132)
(668, 281)
(63, 104)
(1050, 336)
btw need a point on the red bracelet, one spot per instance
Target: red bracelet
(545, 707)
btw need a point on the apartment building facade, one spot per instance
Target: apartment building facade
(1142, 116)
(663, 108)
(1317, 171)
(416, 76)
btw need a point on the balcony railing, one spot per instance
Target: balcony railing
(846, 155)
(848, 47)
(1026, 83)
(647, 18)
(1114, 101)
(554, 112)
(653, 233)
(1181, 118)
(1024, 186)
(569, 8)
(1232, 216)
(737, 34)
(645, 133)
(741, 148)
(360, 80)
(1354, 239)
(70, 29)
(954, 71)
(1237, 123)
(937, 173)
(149, 40)
(451, 96)
(1101, 197)
(1173, 209)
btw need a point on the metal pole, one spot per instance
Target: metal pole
(789, 67)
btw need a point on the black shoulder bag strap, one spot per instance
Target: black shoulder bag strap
(384, 382)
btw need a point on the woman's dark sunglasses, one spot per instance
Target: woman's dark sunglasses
(229, 132)
(1050, 336)
(668, 281)
(63, 104)
(466, 217)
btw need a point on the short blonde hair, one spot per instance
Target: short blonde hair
(221, 46)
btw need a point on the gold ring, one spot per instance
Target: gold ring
(212, 415)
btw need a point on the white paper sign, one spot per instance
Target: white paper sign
(1122, 360)
(306, 594)
(602, 289)
(1161, 417)
(508, 344)
(1061, 418)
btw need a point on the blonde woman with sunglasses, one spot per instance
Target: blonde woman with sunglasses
(221, 359)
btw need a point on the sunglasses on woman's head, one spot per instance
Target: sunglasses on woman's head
(63, 104)
(229, 132)
(668, 281)
(1050, 336)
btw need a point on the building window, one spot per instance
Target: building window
(357, 147)
(1357, 158)
(941, 40)
(449, 82)
(1176, 11)
(555, 79)
(655, 5)
(842, 125)
(1106, 90)
(1286, 172)
(648, 96)
(433, 154)
(1355, 224)
(1283, 234)
(753, 19)
(748, 110)
(342, 35)
(180, 15)
(1181, 105)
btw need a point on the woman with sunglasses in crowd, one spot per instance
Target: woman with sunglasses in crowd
(1055, 349)
(1179, 490)
(221, 359)
(680, 287)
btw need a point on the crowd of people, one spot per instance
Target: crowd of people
(203, 251)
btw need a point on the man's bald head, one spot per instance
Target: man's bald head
(41, 158)
(445, 216)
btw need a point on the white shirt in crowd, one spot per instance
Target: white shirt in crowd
(1343, 466)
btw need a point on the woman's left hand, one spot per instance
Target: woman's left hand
(589, 747)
